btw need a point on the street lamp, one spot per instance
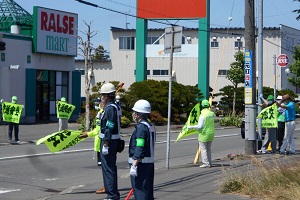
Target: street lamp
(287, 71)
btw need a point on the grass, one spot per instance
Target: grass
(275, 179)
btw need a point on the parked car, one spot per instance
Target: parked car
(221, 109)
(243, 130)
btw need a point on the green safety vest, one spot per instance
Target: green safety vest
(94, 133)
(207, 133)
(280, 117)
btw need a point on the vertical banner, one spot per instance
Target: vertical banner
(248, 77)
(64, 110)
(11, 112)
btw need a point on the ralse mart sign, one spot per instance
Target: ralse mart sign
(55, 32)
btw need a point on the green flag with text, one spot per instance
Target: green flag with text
(64, 110)
(11, 112)
(269, 117)
(192, 120)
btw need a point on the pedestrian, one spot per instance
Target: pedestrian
(62, 122)
(290, 125)
(281, 124)
(271, 133)
(141, 152)
(110, 137)
(95, 134)
(206, 133)
(13, 126)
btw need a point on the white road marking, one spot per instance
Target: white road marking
(3, 190)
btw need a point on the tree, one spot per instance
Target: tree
(100, 53)
(236, 74)
(86, 49)
(295, 67)
(297, 11)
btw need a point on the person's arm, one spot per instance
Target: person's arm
(141, 137)
(200, 124)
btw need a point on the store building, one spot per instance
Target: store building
(37, 64)
(224, 43)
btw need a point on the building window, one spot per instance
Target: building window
(148, 72)
(151, 40)
(160, 72)
(214, 43)
(126, 43)
(223, 72)
(238, 44)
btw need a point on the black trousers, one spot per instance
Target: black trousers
(109, 170)
(142, 184)
(12, 126)
(280, 133)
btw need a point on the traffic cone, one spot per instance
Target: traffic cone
(269, 147)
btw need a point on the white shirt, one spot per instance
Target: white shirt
(200, 124)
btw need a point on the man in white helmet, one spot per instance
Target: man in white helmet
(110, 136)
(141, 152)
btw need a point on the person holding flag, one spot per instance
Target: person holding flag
(13, 125)
(271, 133)
(290, 125)
(206, 133)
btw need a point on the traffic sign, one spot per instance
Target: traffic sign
(282, 60)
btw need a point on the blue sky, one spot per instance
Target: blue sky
(276, 12)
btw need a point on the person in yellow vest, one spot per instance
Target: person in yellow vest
(62, 122)
(206, 128)
(97, 140)
(13, 126)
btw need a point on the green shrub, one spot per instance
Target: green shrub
(81, 120)
(231, 120)
(157, 119)
(125, 122)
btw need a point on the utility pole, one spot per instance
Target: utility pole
(260, 67)
(250, 79)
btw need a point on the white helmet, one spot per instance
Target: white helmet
(142, 106)
(107, 88)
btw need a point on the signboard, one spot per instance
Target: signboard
(282, 60)
(248, 77)
(176, 31)
(54, 32)
(171, 9)
(157, 51)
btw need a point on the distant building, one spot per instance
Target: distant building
(223, 46)
(37, 62)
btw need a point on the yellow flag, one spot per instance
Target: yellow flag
(192, 120)
(269, 117)
(61, 140)
(64, 110)
(11, 112)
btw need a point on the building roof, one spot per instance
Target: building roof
(116, 29)
(13, 14)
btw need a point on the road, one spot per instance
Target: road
(30, 172)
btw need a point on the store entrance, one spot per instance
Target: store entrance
(42, 100)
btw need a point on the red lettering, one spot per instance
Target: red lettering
(44, 20)
(52, 23)
(59, 29)
(65, 24)
(57, 23)
(71, 25)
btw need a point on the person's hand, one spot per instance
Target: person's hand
(84, 135)
(1, 100)
(261, 96)
(133, 171)
(105, 150)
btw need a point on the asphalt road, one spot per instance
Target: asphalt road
(31, 172)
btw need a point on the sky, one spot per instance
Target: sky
(275, 12)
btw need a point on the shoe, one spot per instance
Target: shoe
(107, 199)
(99, 163)
(101, 190)
(17, 141)
(9, 141)
(261, 152)
(205, 166)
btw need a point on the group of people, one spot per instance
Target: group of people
(284, 134)
(141, 145)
